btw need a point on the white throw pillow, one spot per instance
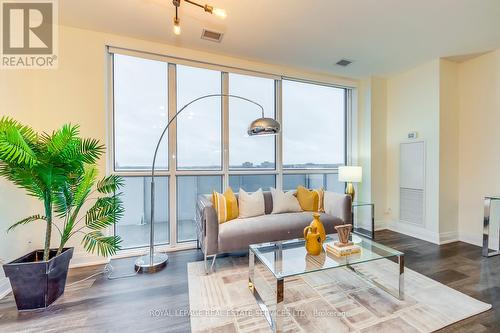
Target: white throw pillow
(284, 202)
(251, 204)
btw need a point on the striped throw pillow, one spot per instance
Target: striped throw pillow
(225, 205)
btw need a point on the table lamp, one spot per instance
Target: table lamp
(350, 174)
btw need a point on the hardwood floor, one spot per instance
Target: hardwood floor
(155, 303)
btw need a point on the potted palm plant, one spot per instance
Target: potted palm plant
(60, 170)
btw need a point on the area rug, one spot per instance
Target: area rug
(333, 301)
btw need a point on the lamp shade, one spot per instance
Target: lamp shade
(350, 174)
(264, 126)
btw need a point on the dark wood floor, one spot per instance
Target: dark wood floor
(148, 303)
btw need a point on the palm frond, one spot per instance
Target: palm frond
(95, 241)
(110, 184)
(29, 135)
(14, 148)
(27, 220)
(58, 141)
(91, 150)
(85, 184)
(105, 212)
(63, 200)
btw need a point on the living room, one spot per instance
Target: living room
(326, 166)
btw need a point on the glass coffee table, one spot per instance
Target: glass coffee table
(286, 259)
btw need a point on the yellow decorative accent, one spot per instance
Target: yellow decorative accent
(316, 223)
(349, 190)
(310, 200)
(314, 244)
(226, 205)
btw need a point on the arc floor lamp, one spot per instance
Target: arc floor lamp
(155, 261)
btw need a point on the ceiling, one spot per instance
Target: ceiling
(380, 36)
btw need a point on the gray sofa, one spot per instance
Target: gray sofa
(237, 235)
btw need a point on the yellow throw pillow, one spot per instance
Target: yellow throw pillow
(226, 205)
(310, 200)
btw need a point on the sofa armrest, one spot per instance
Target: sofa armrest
(338, 205)
(207, 225)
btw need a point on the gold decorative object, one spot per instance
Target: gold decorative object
(314, 244)
(344, 231)
(349, 190)
(316, 223)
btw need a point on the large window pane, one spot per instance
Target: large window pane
(140, 112)
(251, 183)
(246, 152)
(134, 227)
(333, 184)
(188, 189)
(328, 181)
(199, 126)
(313, 125)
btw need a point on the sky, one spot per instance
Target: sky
(313, 118)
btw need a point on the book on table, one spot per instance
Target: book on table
(343, 250)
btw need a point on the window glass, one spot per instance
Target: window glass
(140, 112)
(199, 125)
(251, 183)
(313, 126)
(327, 181)
(250, 152)
(134, 228)
(188, 189)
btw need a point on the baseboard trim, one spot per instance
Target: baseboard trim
(471, 239)
(5, 288)
(414, 231)
(448, 237)
(380, 225)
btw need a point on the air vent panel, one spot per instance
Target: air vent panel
(211, 35)
(343, 62)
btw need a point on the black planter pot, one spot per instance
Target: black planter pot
(36, 283)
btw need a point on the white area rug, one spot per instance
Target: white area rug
(333, 301)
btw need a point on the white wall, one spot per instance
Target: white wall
(371, 146)
(413, 105)
(448, 148)
(479, 155)
(76, 93)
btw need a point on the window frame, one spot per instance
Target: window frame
(225, 172)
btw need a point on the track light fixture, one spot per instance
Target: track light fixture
(207, 8)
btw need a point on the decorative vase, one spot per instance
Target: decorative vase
(344, 231)
(316, 223)
(314, 243)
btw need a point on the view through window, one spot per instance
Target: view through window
(313, 136)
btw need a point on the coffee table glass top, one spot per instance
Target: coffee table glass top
(290, 258)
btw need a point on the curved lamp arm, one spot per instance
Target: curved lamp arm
(151, 240)
(184, 107)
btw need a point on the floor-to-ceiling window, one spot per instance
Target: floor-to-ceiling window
(207, 148)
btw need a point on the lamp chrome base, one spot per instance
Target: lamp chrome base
(144, 264)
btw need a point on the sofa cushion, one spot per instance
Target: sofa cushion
(225, 205)
(268, 202)
(251, 204)
(284, 202)
(240, 233)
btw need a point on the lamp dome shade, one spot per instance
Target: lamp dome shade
(350, 174)
(264, 126)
